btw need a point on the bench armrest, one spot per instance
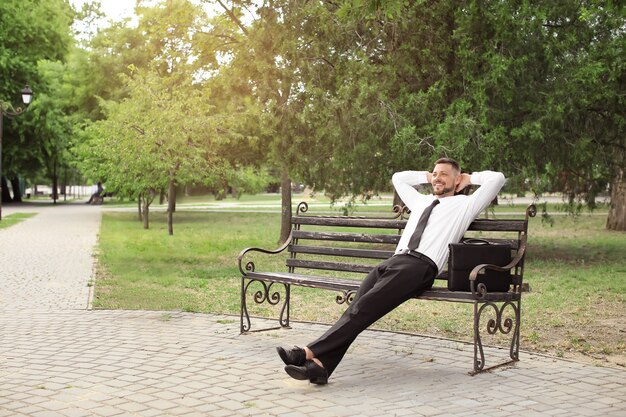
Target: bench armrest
(250, 265)
(480, 290)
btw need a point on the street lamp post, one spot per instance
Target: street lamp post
(27, 95)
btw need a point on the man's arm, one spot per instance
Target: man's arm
(404, 183)
(490, 183)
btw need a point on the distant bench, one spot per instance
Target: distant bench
(99, 199)
(349, 244)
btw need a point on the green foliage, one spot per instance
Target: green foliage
(531, 89)
(162, 122)
(30, 30)
(31, 34)
(161, 133)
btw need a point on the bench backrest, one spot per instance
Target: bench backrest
(353, 245)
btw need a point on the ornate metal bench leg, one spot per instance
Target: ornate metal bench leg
(479, 363)
(260, 296)
(284, 311)
(514, 353)
(499, 324)
(244, 308)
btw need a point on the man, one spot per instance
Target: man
(97, 192)
(436, 221)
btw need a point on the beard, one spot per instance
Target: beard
(442, 191)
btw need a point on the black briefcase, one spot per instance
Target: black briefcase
(466, 255)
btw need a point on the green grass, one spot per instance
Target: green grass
(576, 270)
(12, 219)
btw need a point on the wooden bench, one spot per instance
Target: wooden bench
(324, 250)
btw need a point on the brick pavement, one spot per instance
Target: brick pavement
(65, 360)
(47, 261)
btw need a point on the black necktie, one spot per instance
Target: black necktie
(421, 225)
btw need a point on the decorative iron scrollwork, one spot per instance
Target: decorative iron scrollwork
(264, 294)
(481, 290)
(501, 323)
(302, 208)
(401, 211)
(345, 297)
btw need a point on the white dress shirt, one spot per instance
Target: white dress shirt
(450, 218)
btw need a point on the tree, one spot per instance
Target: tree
(280, 58)
(331, 80)
(166, 127)
(162, 135)
(30, 31)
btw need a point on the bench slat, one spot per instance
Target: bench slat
(350, 252)
(315, 281)
(349, 222)
(332, 266)
(346, 237)
(443, 294)
(498, 225)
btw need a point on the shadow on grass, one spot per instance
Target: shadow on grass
(577, 252)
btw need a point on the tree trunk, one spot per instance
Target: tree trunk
(617, 211)
(171, 196)
(55, 184)
(285, 222)
(55, 190)
(64, 186)
(140, 217)
(146, 208)
(6, 196)
(171, 207)
(17, 190)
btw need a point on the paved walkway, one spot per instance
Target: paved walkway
(58, 358)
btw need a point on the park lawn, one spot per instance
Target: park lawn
(320, 202)
(575, 268)
(14, 218)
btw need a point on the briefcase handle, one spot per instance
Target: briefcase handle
(475, 241)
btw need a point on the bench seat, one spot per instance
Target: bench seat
(348, 285)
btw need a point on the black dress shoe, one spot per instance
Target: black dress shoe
(295, 356)
(310, 370)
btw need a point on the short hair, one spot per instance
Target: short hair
(449, 161)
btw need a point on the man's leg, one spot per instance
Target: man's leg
(386, 287)
(367, 284)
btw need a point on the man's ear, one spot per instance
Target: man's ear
(457, 183)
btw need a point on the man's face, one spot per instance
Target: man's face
(444, 180)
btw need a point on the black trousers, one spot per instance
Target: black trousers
(388, 285)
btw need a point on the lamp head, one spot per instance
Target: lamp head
(27, 95)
